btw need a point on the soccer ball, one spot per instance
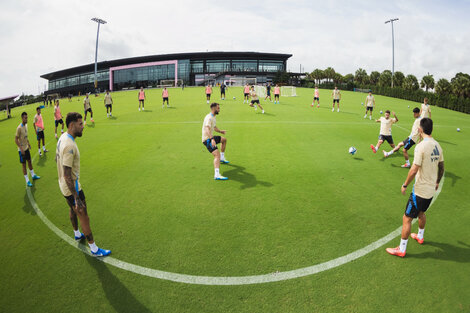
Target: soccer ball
(458, 129)
(362, 103)
(233, 98)
(408, 106)
(381, 112)
(352, 151)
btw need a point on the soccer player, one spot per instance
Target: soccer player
(39, 130)
(246, 93)
(336, 94)
(425, 109)
(141, 98)
(316, 97)
(370, 103)
(87, 107)
(408, 142)
(165, 97)
(68, 168)
(255, 99)
(108, 103)
(427, 170)
(222, 90)
(58, 118)
(277, 93)
(268, 92)
(21, 140)
(385, 130)
(208, 93)
(210, 141)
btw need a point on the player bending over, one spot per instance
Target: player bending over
(165, 98)
(21, 140)
(427, 171)
(385, 130)
(370, 103)
(408, 142)
(210, 141)
(68, 168)
(336, 95)
(39, 130)
(58, 118)
(108, 103)
(316, 97)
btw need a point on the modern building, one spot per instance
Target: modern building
(192, 69)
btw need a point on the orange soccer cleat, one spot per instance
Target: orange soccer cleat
(373, 148)
(415, 237)
(396, 251)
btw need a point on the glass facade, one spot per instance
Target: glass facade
(85, 78)
(143, 76)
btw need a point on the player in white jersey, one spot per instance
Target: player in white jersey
(385, 130)
(210, 141)
(427, 171)
(255, 100)
(408, 142)
(370, 103)
(425, 109)
(336, 95)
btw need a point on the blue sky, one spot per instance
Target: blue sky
(43, 36)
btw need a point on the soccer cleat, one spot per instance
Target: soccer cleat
(415, 237)
(373, 148)
(139, 109)
(92, 120)
(29, 184)
(338, 110)
(224, 162)
(84, 122)
(262, 111)
(79, 238)
(396, 251)
(101, 252)
(143, 109)
(318, 106)
(332, 110)
(40, 153)
(385, 153)
(312, 105)
(406, 165)
(62, 131)
(46, 151)
(55, 136)
(365, 116)
(36, 177)
(220, 177)
(370, 117)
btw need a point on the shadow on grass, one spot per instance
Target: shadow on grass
(248, 180)
(447, 142)
(395, 155)
(120, 298)
(146, 111)
(452, 176)
(446, 252)
(170, 107)
(358, 159)
(113, 117)
(268, 114)
(27, 207)
(42, 159)
(91, 125)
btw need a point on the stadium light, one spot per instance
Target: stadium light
(99, 21)
(393, 47)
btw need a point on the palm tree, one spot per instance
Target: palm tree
(361, 76)
(374, 77)
(317, 75)
(427, 82)
(461, 85)
(443, 87)
(337, 78)
(329, 73)
(410, 83)
(398, 78)
(385, 78)
(349, 78)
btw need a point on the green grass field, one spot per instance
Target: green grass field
(294, 198)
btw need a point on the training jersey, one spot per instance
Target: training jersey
(253, 95)
(276, 90)
(86, 103)
(428, 154)
(336, 94)
(386, 125)
(268, 89)
(222, 88)
(141, 95)
(38, 122)
(425, 110)
(246, 89)
(165, 93)
(209, 120)
(370, 101)
(108, 99)
(57, 114)
(208, 90)
(317, 93)
(22, 134)
(414, 130)
(67, 154)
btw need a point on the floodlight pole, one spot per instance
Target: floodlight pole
(393, 47)
(99, 21)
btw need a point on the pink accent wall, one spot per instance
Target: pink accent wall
(123, 67)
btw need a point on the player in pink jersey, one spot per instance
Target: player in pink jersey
(39, 129)
(141, 98)
(208, 93)
(246, 93)
(277, 93)
(58, 118)
(165, 98)
(316, 97)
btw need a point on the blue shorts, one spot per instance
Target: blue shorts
(408, 143)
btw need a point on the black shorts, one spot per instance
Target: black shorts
(165, 99)
(369, 109)
(246, 95)
(388, 139)
(25, 157)
(89, 110)
(141, 101)
(208, 143)
(408, 143)
(71, 200)
(40, 135)
(108, 106)
(254, 101)
(57, 122)
(208, 95)
(335, 100)
(415, 205)
(316, 98)
(276, 96)
(222, 93)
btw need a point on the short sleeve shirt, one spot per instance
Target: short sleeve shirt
(108, 99)
(370, 101)
(425, 110)
(253, 95)
(22, 134)
(386, 126)
(414, 130)
(209, 120)
(336, 94)
(428, 154)
(67, 154)
(86, 102)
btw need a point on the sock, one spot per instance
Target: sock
(39, 150)
(32, 173)
(77, 233)
(93, 247)
(26, 178)
(407, 162)
(420, 233)
(44, 148)
(403, 244)
(376, 148)
(390, 153)
(222, 156)
(217, 173)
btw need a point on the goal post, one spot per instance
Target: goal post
(288, 91)
(260, 91)
(170, 83)
(240, 81)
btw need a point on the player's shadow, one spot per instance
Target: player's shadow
(113, 118)
(452, 176)
(171, 108)
(447, 142)
(91, 125)
(268, 114)
(446, 252)
(27, 207)
(120, 298)
(248, 180)
(42, 159)
(147, 111)
(358, 159)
